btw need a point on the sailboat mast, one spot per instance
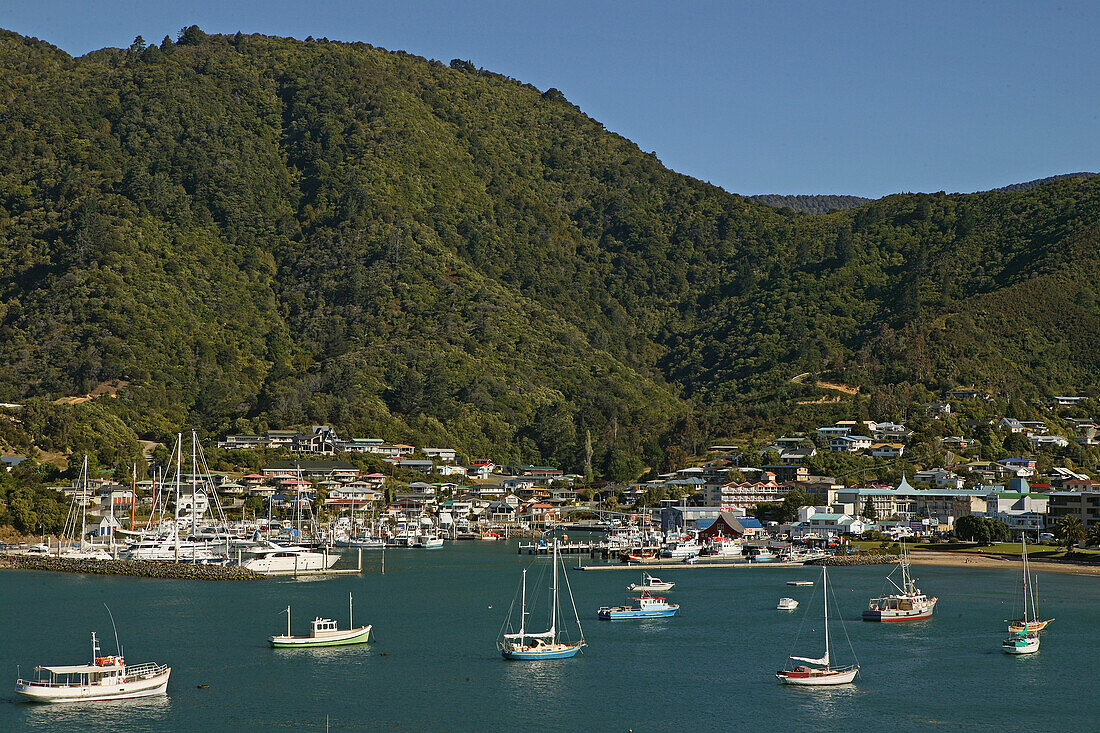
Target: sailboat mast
(351, 617)
(825, 591)
(84, 503)
(1027, 592)
(179, 474)
(194, 483)
(554, 597)
(523, 607)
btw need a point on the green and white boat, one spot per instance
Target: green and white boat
(323, 632)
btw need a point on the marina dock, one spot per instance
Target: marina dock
(566, 548)
(688, 566)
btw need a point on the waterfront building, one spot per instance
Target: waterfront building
(1083, 504)
(1020, 508)
(743, 495)
(823, 521)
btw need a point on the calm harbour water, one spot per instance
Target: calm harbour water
(434, 665)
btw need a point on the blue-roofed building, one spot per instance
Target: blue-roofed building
(10, 462)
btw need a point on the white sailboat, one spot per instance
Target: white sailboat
(818, 672)
(1035, 624)
(1022, 638)
(531, 646)
(84, 550)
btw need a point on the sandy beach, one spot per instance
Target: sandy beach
(966, 559)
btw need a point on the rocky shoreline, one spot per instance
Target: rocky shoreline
(133, 568)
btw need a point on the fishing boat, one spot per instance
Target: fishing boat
(323, 632)
(786, 604)
(818, 672)
(907, 604)
(650, 583)
(640, 556)
(680, 547)
(648, 607)
(105, 678)
(1035, 624)
(1022, 639)
(550, 644)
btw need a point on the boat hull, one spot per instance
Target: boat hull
(827, 679)
(1017, 626)
(156, 685)
(891, 614)
(531, 655)
(612, 615)
(1020, 646)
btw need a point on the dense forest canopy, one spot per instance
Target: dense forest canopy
(250, 232)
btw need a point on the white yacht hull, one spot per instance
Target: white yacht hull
(300, 563)
(818, 680)
(126, 690)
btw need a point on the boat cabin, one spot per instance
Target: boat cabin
(319, 627)
(105, 671)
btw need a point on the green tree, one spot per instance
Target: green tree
(970, 527)
(1093, 536)
(869, 511)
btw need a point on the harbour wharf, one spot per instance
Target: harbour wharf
(686, 566)
(567, 548)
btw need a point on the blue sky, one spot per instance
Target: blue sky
(757, 97)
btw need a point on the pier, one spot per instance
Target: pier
(687, 566)
(566, 548)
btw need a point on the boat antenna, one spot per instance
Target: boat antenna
(118, 649)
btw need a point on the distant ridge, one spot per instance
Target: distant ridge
(1040, 181)
(810, 204)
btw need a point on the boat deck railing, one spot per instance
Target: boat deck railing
(146, 669)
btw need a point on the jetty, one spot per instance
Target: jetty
(691, 566)
(566, 548)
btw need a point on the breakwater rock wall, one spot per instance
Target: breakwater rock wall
(136, 568)
(862, 559)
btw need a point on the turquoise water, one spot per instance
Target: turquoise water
(434, 666)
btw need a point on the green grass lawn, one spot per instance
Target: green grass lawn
(999, 548)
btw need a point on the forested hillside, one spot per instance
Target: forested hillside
(251, 231)
(810, 204)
